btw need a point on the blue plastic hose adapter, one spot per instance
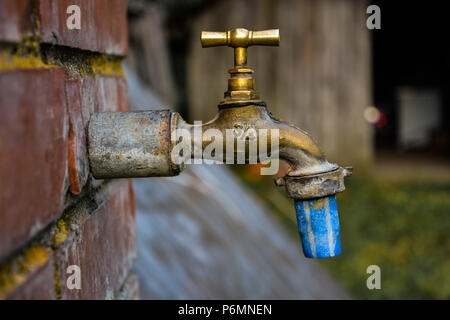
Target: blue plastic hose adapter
(318, 224)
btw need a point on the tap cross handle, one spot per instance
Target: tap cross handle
(240, 39)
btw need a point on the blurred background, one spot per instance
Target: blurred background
(376, 100)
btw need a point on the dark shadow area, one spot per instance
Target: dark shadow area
(410, 77)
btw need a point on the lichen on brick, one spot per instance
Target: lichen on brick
(29, 53)
(82, 62)
(15, 271)
(57, 279)
(107, 65)
(61, 232)
(22, 55)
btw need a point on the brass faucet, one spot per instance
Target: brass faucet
(140, 144)
(242, 106)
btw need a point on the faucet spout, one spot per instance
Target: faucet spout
(301, 152)
(311, 181)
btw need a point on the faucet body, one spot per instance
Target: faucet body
(295, 146)
(141, 144)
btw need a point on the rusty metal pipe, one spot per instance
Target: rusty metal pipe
(130, 145)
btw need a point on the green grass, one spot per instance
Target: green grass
(403, 227)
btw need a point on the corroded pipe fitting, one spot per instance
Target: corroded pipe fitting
(130, 145)
(315, 185)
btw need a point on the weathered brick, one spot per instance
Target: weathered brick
(103, 246)
(33, 147)
(15, 19)
(84, 96)
(104, 93)
(111, 94)
(77, 154)
(43, 122)
(40, 285)
(103, 25)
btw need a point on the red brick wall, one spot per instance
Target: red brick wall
(53, 214)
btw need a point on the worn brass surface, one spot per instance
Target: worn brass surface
(295, 145)
(315, 186)
(240, 38)
(240, 84)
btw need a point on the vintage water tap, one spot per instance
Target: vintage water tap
(141, 144)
